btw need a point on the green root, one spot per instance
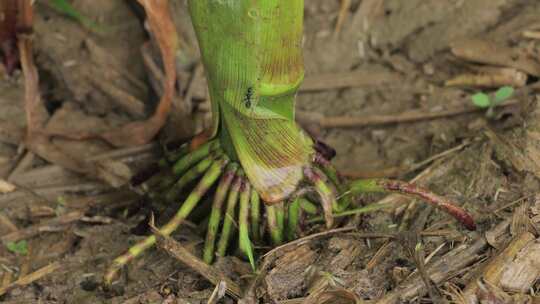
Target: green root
(186, 162)
(191, 175)
(205, 183)
(215, 215)
(276, 233)
(243, 208)
(292, 219)
(255, 215)
(229, 216)
(243, 223)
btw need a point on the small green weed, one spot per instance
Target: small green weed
(483, 100)
(20, 247)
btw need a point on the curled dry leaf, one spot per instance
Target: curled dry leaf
(140, 132)
(162, 26)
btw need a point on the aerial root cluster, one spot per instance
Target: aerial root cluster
(236, 204)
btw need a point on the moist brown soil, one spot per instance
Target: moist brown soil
(388, 58)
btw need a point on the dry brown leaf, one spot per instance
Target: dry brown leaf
(37, 140)
(141, 132)
(36, 114)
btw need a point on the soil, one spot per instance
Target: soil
(398, 55)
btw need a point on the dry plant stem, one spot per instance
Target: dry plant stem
(343, 10)
(493, 79)
(7, 224)
(125, 100)
(218, 293)
(374, 120)
(157, 74)
(415, 250)
(7, 278)
(54, 224)
(178, 252)
(32, 277)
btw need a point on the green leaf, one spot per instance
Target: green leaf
(20, 247)
(503, 94)
(481, 100)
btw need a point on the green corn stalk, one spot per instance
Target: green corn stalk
(252, 55)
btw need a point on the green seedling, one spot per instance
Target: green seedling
(485, 101)
(20, 247)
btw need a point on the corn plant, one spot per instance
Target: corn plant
(269, 173)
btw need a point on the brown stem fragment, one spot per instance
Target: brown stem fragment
(387, 185)
(177, 251)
